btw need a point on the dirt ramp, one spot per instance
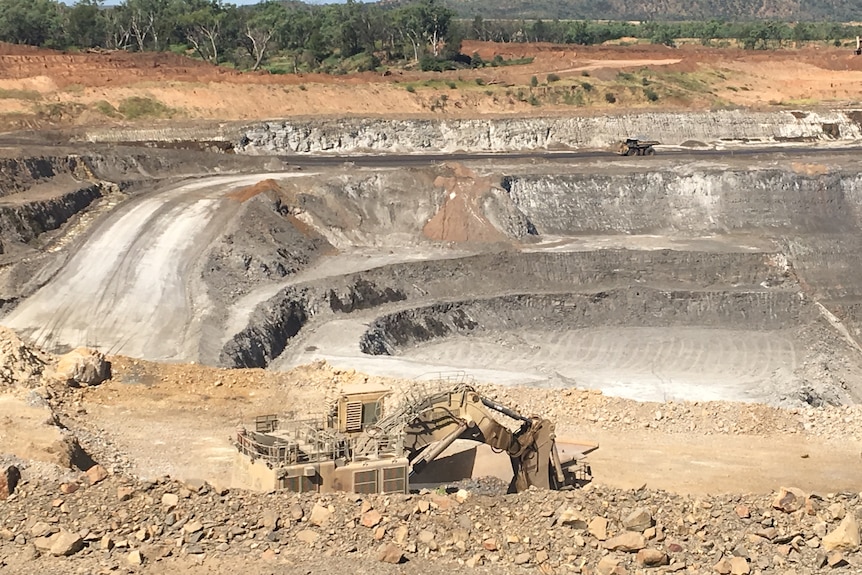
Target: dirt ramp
(475, 209)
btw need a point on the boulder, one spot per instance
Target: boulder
(296, 512)
(96, 474)
(371, 518)
(9, 477)
(68, 488)
(845, 537)
(652, 558)
(192, 527)
(135, 558)
(789, 499)
(638, 520)
(598, 528)
(42, 529)
(390, 553)
(608, 565)
(45, 543)
(82, 367)
(270, 520)
(426, 536)
(66, 543)
(319, 515)
(835, 559)
(571, 518)
(629, 541)
(739, 566)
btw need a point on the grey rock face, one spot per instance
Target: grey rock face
(508, 134)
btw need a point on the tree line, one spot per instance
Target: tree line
(246, 36)
(293, 36)
(660, 10)
(752, 35)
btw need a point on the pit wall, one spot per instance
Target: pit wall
(703, 201)
(357, 135)
(629, 307)
(20, 174)
(24, 222)
(275, 322)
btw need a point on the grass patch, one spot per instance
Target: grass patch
(801, 102)
(410, 88)
(138, 107)
(688, 82)
(499, 61)
(60, 111)
(105, 108)
(31, 95)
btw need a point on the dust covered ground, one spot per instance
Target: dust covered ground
(42, 88)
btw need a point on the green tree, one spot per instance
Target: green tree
(425, 23)
(260, 25)
(204, 25)
(34, 22)
(539, 31)
(86, 25)
(478, 29)
(709, 31)
(151, 24)
(664, 34)
(579, 33)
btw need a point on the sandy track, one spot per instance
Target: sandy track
(647, 364)
(130, 288)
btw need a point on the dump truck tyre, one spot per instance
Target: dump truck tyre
(650, 151)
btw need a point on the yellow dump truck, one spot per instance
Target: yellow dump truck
(637, 147)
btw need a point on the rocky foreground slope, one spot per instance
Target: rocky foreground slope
(105, 520)
(99, 523)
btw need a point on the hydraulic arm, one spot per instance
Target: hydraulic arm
(463, 413)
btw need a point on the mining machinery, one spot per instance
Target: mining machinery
(637, 147)
(359, 447)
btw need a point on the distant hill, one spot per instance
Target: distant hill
(735, 10)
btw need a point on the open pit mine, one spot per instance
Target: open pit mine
(697, 312)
